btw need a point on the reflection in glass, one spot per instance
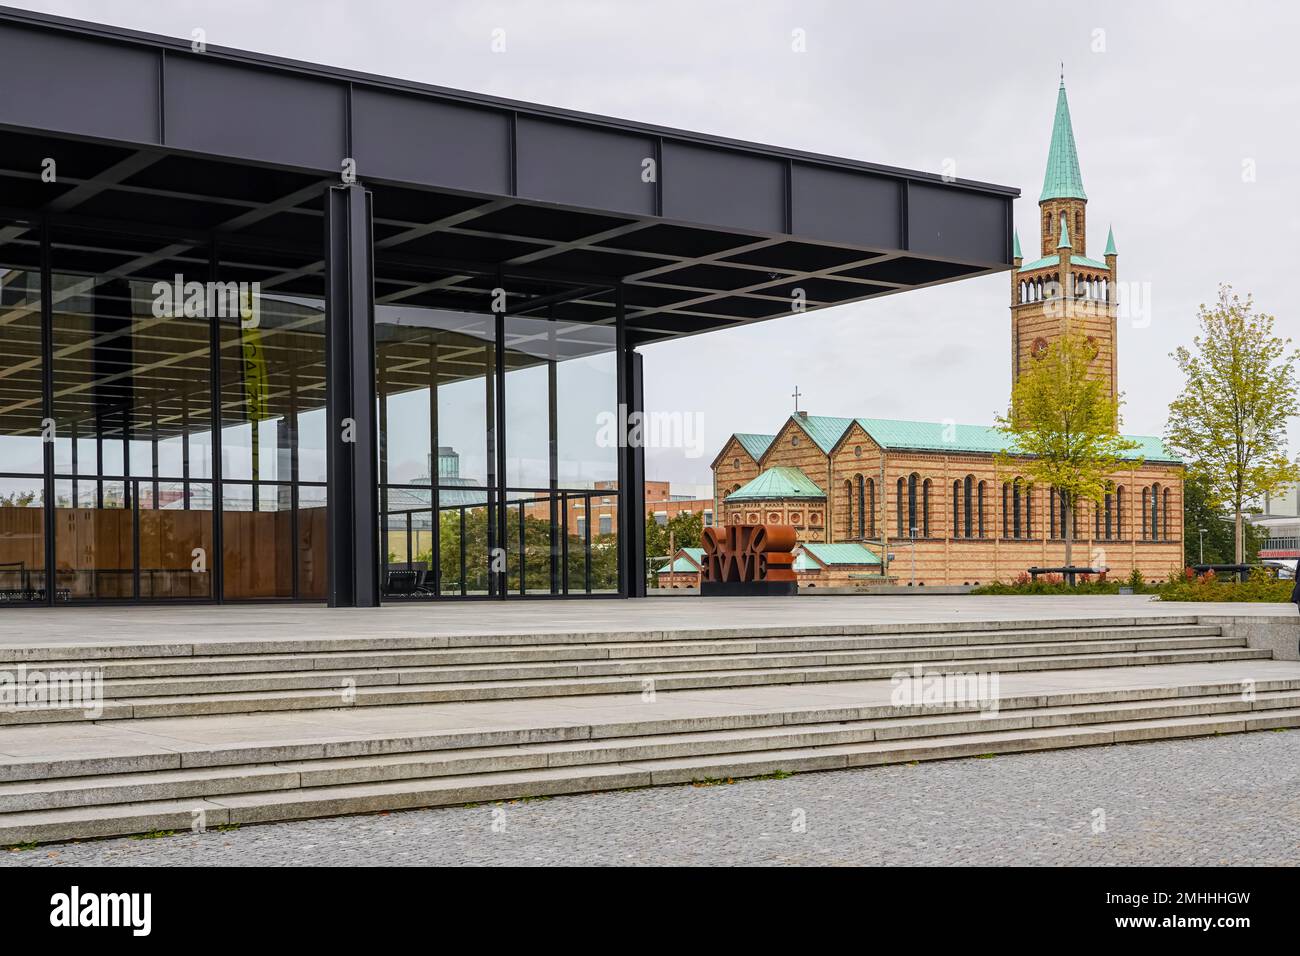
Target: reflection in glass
(435, 373)
(272, 396)
(22, 466)
(132, 448)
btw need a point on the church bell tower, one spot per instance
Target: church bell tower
(1063, 289)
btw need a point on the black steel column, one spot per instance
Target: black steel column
(631, 468)
(350, 400)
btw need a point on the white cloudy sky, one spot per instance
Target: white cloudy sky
(1165, 115)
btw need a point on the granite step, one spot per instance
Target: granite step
(146, 665)
(356, 691)
(924, 632)
(289, 774)
(175, 685)
(288, 803)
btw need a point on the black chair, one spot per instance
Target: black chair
(403, 580)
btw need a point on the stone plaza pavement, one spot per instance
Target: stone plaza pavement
(250, 622)
(1130, 804)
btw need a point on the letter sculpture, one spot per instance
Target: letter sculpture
(744, 559)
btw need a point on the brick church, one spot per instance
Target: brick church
(933, 494)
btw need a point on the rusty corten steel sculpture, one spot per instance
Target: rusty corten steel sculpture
(748, 559)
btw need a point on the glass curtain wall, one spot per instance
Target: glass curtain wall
(435, 377)
(130, 371)
(272, 400)
(496, 445)
(135, 342)
(22, 450)
(165, 396)
(561, 454)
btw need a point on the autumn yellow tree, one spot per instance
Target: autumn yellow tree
(1064, 418)
(1230, 420)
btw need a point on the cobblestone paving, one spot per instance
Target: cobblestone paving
(1221, 800)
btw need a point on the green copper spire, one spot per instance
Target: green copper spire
(1110, 243)
(1063, 180)
(1015, 248)
(1065, 236)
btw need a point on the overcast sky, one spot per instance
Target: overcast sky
(1171, 101)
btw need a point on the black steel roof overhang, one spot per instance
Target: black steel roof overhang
(722, 232)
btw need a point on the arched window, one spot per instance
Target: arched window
(957, 509)
(1119, 512)
(1017, 487)
(1006, 509)
(871, 508)
(1110, 512)
(1146, 513)
(862, 508)
(1155, 512)
(925, 509)
(902, 490)
(1078, 224)
(968, 517)
(981, 510)
(1164, 516)
(1058, 500)
(1029, 510)
(912, 481)
(848, 501)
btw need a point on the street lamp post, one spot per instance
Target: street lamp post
(1202, 531)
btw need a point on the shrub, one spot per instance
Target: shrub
(1260, 586)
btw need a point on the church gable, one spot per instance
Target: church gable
(793, 447)
(733, 467)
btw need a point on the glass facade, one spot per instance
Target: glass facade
(132, 348)
(495, 435)
(166, 395)
(22, 449)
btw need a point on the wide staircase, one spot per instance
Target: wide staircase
(215, 734)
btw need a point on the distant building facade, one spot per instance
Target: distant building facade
(1280, 516)
(940, 488)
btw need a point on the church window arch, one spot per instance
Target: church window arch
(871, 508)
(925, 508)
(899, 507)
(1155, 512)
(968, 509)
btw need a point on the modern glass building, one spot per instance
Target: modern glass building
(274, 331)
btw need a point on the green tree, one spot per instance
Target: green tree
(1065, 419)
(1219, 532)
(1230, 419)
(662, 541)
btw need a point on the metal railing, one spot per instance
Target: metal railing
(555, 543)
